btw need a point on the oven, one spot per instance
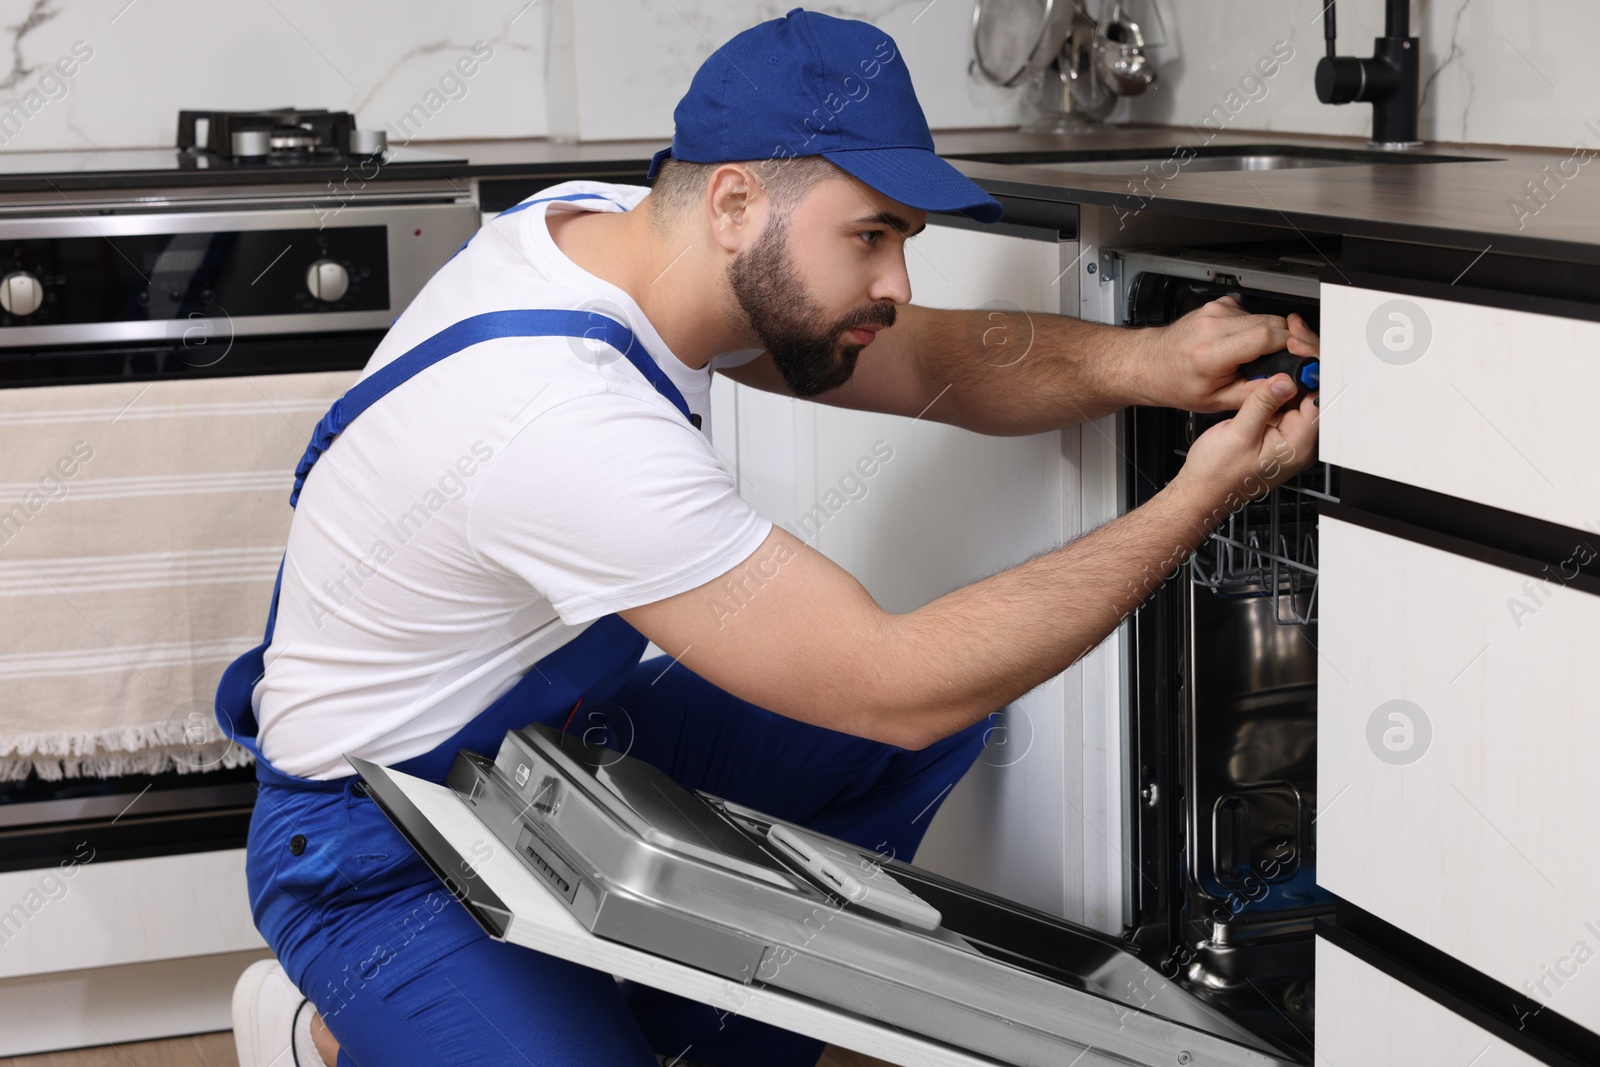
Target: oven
(178, 302)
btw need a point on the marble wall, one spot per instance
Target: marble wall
(380, 60)
(113, 73)
(617, 67)
(1494, 71)
(634, 60)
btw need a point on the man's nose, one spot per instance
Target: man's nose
(892, 286)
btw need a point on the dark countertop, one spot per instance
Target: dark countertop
(540, 156)
(23, 173)
(1459, 204)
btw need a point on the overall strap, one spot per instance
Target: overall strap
(545, 200)
(540, 322)
(536, 322)
(234, 692)
(529, 203)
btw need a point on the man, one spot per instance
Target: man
(520, 491)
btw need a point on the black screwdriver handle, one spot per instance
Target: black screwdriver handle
(1305, 370)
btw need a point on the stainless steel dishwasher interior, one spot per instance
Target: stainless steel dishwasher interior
(1223, 717)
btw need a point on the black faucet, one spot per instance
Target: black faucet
(1388, 81)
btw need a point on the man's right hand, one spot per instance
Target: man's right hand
(1268, 442)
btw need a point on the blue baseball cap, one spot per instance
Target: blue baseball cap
(813, 85)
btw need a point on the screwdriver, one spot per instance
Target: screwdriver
(1305, 370)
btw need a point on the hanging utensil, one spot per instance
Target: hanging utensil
(1076, 72)
(1120, 57)
(1015, 40)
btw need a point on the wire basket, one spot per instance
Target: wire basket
(1269, 547)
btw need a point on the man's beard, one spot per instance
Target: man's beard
(767, 285)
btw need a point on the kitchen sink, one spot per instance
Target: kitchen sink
(1168, 162)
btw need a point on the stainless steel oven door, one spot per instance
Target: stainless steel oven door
(131, 277)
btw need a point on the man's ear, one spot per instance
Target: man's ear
(732, 196)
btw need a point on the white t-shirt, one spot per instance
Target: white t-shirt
(485, 512)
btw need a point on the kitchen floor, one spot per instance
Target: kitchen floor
(201, 1050)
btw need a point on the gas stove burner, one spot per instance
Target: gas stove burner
(281, 137)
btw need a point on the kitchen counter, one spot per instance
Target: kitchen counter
(23, 175)
(1466, 205)
(1459, 204)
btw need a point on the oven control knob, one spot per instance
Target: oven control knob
(21, 293)
(327, 280)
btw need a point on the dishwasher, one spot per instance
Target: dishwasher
(1214, 966)
(1222, 724)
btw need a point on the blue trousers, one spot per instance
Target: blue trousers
(403, 975)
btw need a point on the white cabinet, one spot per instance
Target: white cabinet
(122, 950)
(1365, 1017)
(1483, 403)
(1458, 732)
(1457, 679)
(946, 508)
(103, 913)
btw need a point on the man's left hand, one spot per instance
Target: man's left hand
(1194, 363)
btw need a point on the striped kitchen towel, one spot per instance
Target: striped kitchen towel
(141, 525)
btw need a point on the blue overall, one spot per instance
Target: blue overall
(400, 972)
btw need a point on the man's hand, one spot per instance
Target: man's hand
(1268, 442)
(1194, 363)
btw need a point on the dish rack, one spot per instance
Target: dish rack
(1269, 546)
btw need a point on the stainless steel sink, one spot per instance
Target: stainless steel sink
(1176, 164)
(1169, 162)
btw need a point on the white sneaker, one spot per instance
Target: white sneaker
(268, 1013)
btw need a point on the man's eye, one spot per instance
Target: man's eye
(870, 236)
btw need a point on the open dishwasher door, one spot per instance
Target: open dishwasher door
(774, 921)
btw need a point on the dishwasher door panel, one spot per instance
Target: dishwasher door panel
(599, 858)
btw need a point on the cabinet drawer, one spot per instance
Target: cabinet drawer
(1366, 1017)
(1483, 403)
(1458, 739)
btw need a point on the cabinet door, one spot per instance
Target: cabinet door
(81, 915)
(1458, 734)
(1366, 1017)
(1484, 403)
(942, 508)
(956, 506)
